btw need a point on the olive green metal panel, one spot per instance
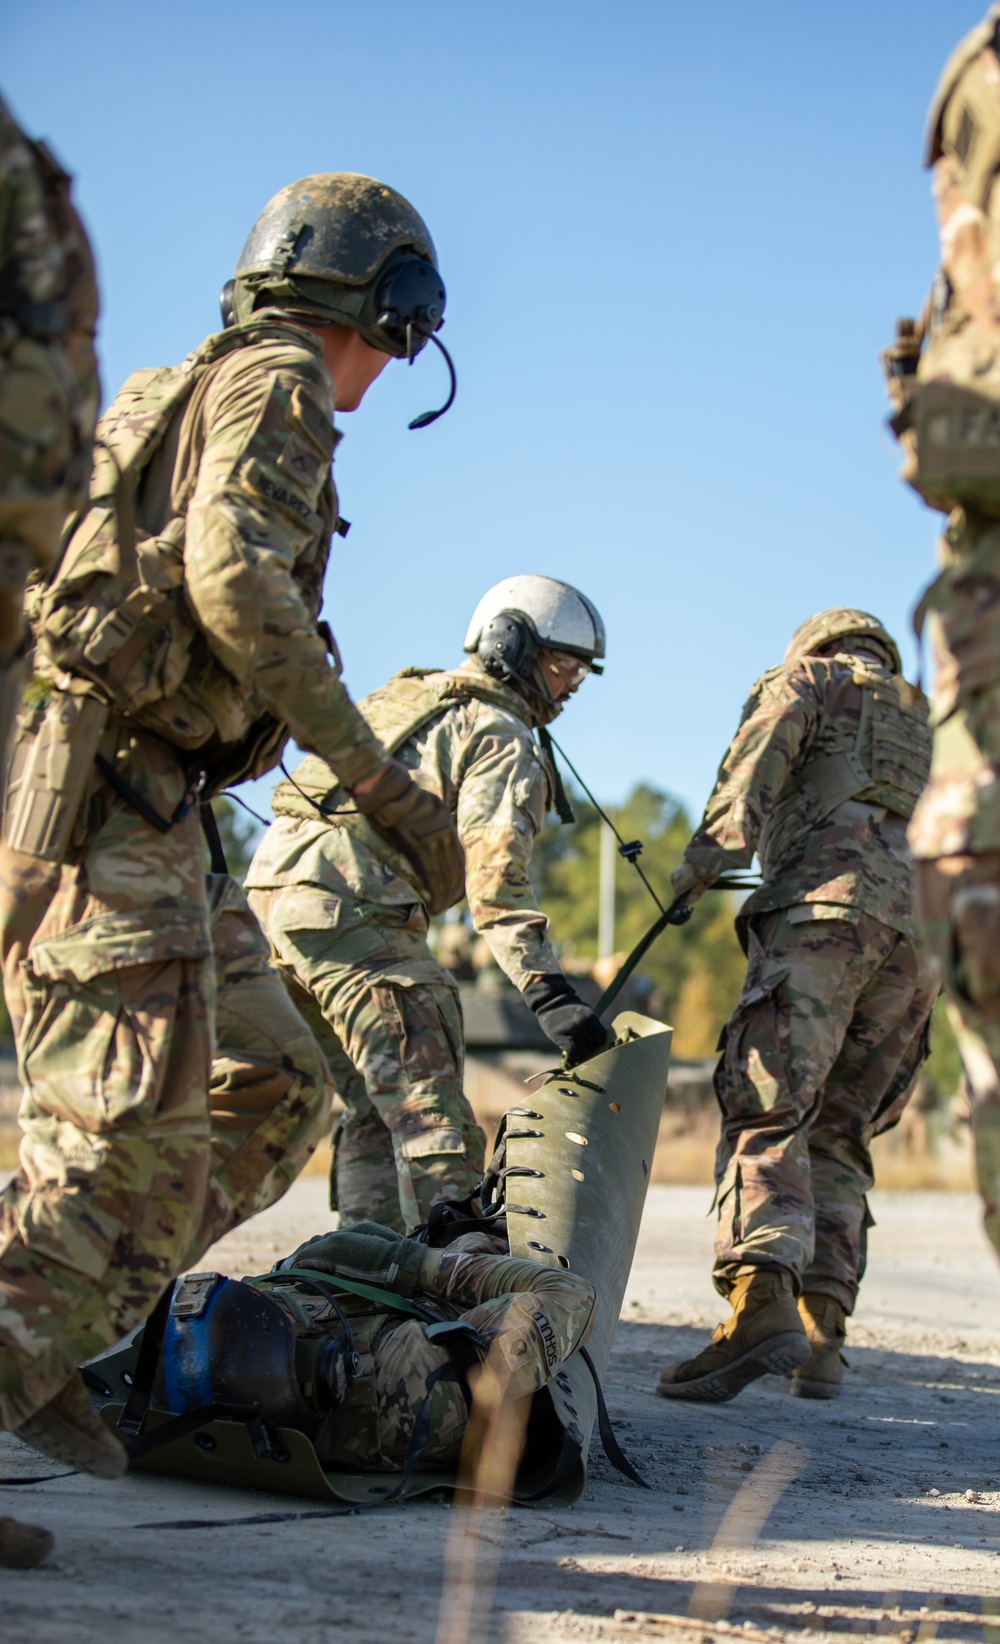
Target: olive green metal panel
(585, 1141)
(221, 1452)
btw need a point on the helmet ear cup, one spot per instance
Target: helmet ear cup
(226, 296)
(505, 645)
(409, 305)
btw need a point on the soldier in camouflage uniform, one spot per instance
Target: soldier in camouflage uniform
(177, 648)
(944, 376)
(49, 394)
(478, 1303)
(49, 389)
(348, 926)
(831, 1028)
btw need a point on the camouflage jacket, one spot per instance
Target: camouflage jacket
(478, 754)
(49, 389)
(198, 620)
(819, 781)
(529, 1318)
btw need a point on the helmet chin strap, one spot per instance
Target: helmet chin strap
(540, 693)
(427, 417)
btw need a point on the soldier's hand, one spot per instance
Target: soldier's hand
(686, 884)
(417, 824)
(571, 1025)
(365, 1252)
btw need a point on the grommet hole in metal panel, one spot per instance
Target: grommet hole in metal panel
(564, 1092)
(535, 1244)
(574, 1136)
(126, 1378)
(563, 1261)
(204, 1441)
(615, 1107)
(578, 1175)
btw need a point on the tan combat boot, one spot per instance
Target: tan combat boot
(22, 1546)
(764, 1336)
(826, 1331)
(67, 1430)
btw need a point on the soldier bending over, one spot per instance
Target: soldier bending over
(347, 920)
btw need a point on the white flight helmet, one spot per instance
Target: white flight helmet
(521, 614)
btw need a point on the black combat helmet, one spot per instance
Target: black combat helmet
(342, 247)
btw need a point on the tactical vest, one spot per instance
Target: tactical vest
(399, 709)
(947, 380)
(885, 762)
(116, 613)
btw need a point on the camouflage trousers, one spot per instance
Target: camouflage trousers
(390, 1025)
(958, 898)
(137, 1150)
(955, 831)
(819, 1055)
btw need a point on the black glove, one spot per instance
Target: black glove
(416, 823)
(563, 1016)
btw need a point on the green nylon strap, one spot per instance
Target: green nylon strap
(335, 1281)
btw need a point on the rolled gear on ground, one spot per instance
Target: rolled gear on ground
(580, 1144)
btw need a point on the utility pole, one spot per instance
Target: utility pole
(606, 895)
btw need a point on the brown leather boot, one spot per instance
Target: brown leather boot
(763, 1337)
(22, 1546)
(826, 1331)
(67, 1430)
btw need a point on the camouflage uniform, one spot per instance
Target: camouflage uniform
(831, 1027)
(529, 1318)
(49, 389)
(946, 387)
(195, 650)
(348, 931)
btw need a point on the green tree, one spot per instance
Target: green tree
(696, 969)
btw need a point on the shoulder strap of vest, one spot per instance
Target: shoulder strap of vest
(425, 693)
(396, 711)
(839, 776)
(125, 445)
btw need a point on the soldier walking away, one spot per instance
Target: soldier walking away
(831, 1028)
(347, 920)
(49, 394)
(177, 649)
(944, 379)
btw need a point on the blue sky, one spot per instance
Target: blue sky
(674, 239)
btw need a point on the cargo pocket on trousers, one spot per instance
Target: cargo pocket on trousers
(83, 1062)
(753, 1071)
(432, 1143)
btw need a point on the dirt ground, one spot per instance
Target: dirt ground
(769, 1517)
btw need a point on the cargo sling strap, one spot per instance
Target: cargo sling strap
(677, 913)
(124, 789)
